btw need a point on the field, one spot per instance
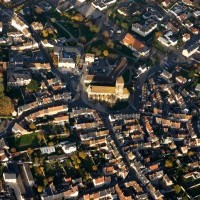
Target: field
(23, 142)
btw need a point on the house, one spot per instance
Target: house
(28, 174)
(166, 75)
(11, 180)
(25, 46)
(135, 45)
(197, 88)
(37, 26)
(17, 129)
(1, 27)
(68, 147)
(186, 37)
(100, 181)
(67, 56)
(18, 78)
(167, 39)
(47, 150)
(47, 44)
(181, 79)
(89, 58)
(184, 149)
(61, 119)
(190, 49)
(188, 2)
(167, 181)
(144, 29)
(17, 23)
(166, 3)
(102, 4)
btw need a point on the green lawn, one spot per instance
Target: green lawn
(23, 142)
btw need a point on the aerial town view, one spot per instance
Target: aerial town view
(100, 99)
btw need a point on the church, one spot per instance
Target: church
(109, 94)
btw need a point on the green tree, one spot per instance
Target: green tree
(32, 126)
(177, 189)
(33, 86)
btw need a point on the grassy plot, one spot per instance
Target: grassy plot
(23, 142)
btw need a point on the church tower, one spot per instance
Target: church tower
(119, 86)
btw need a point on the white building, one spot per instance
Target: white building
(17, 23)
(190, 50)
(1, 27)
(102, 4)
(89, 58)
(145, 29)
(168, 39)
(69, 148)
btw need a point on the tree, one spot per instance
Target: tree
(110, 44)
(33, 86)
(177, 189)
(168, 163)
(38, 10)
(105, 53)
(40, 136)
(106, 34)
(32, 126)
(6, 106)
(94, 168)
(76, 166)
(94, 29)
(50, 144)
(190, 153)
(29, 151)
(158, 34)
(13, 150)
(82, 155)
(82, 40)
(124, 25)
(40, 189)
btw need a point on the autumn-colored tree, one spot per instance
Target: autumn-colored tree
(76, 166)
(6, 106)
(105, 53)
(106, 34)
(13, 150)
(110, 44)
(82, 154)
(50, 144)
(29, 151)
(45, 33)
(40, 189)
(168, 163)
(94, 168)
(158, 34)
(32, 126)
(38, 10)
(190, 153)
